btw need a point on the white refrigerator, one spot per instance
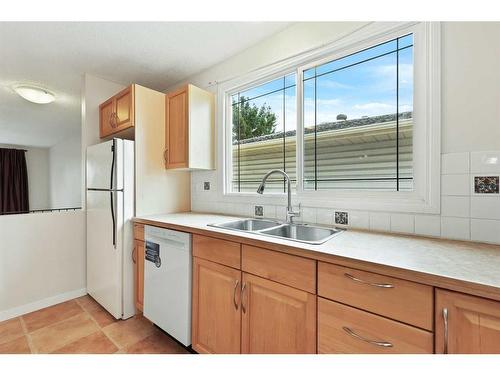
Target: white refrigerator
(110, 208)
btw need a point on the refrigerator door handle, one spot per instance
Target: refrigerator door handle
(111, 196)
(113, 148)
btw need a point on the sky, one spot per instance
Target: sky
(366, 89)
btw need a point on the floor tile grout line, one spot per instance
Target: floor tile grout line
(52, 324)
(32, 347)
(100, 328)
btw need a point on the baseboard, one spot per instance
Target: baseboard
(37, 305)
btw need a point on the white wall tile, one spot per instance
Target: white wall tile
(281, 213)
(455, 184)
(455, 163)
(428, 225)
(269, 211)
(380, 221)
(455, 228)
(485, 207)
(455, 206)
(359, 219)
(307, 215)
(485, 162)
(325, 216)
(402, 223)
(485, 230)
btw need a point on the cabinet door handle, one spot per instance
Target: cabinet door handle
(134, 255)
(445, 319)
(234, 294)
(243, 308)
(351, 333)
(353, 278)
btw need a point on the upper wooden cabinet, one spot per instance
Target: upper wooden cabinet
(189, 129)
(117, 113)
(466, 324)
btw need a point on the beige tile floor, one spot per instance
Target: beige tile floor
(82, 326)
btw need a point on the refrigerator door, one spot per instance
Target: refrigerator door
(104, 166)
(105, 258)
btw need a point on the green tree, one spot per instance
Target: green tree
(252, 120)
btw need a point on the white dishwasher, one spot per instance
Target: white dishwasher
(167, 281)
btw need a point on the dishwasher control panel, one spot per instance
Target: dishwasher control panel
(153, 253)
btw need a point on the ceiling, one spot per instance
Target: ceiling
(57, 54)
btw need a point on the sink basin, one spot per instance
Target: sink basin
(302, 233)
(249, 225)
(295, 232)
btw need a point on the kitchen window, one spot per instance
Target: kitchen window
(356, 123)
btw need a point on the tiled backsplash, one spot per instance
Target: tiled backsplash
(465, 214)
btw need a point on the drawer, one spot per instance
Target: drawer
(216, 250)
(398, 299)
(343, 329)
(287, 269)
(139, 232)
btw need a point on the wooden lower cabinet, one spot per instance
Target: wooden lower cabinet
(466, 324)
(276, 318)
(216, 316)
(138, 259)
(347, 330)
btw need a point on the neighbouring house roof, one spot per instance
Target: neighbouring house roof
(337, 125)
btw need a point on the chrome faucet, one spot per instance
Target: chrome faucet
(290, 214)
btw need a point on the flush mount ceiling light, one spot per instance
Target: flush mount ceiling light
(34, 94)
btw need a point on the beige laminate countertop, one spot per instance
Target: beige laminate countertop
(457, 265)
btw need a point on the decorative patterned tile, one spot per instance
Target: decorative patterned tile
(341, 218)
(486, 184)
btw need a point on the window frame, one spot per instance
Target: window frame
(425, 197)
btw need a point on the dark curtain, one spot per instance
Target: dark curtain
(13, 181)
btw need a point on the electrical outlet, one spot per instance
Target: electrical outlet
(341, 218)
(259, 211)
(206, 185)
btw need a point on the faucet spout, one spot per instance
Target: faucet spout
(290, 214)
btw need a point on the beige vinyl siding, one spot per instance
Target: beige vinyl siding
(361, 157)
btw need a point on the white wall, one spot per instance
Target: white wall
(37, 163)
(42, 260)
(65, 160)
(470, 132)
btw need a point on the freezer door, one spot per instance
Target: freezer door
(105, 165)
(105, 259)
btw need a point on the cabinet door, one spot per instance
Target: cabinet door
(138, 258)
(106, 118)
(216, 317)
(124, 109)
(177, 130)
(276, 318)
(466, 324)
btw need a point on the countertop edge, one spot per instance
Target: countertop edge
(439, 281)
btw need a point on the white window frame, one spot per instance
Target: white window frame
(425, 197)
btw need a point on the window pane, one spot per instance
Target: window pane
(406, 41)
(357, 121)
(357, 57)
(264, 135)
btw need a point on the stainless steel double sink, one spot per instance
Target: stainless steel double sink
(296, 232)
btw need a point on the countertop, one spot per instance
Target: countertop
(457, 265)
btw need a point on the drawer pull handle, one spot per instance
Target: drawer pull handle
(134, 254)
(349, 276)
(234, 294)
(445, 319)
(351, 333)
